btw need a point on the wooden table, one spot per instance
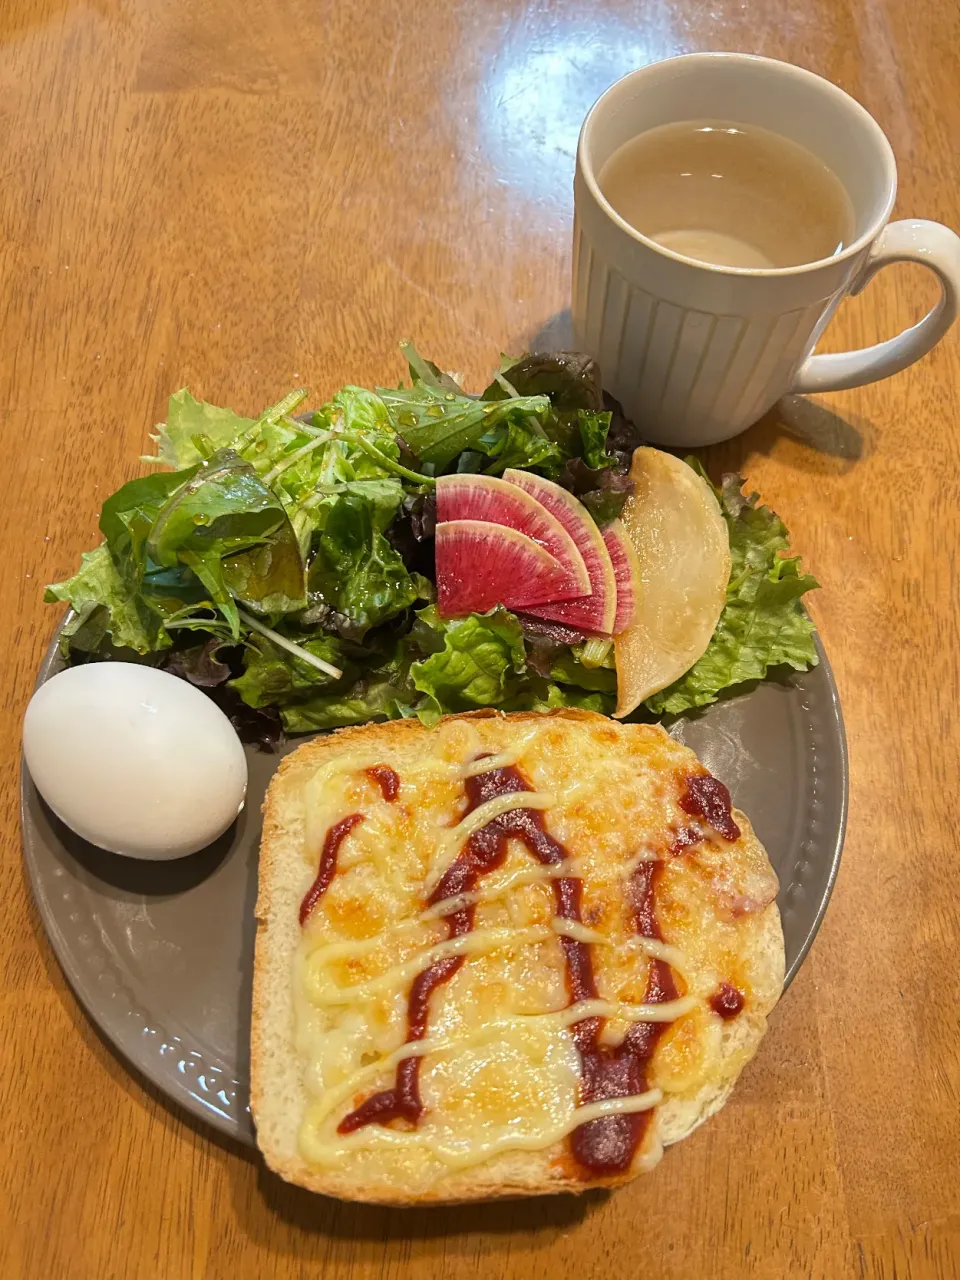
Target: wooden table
(246, 196)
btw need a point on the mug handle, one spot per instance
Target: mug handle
(912, 240)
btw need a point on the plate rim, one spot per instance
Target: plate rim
(836, 851)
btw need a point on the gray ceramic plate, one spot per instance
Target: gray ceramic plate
(161, 954)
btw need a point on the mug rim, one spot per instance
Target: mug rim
(842, 99)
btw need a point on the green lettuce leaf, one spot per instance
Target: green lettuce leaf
(194, 430)
(426, 371)
(341, 469)
(546, 696)
(107, 605)
(481, 658)
(567, 669)
(482, 661)
(274, 677)
(356, 571)
(520, 441)
(763, 623)
(593, 438)
(270, 578)
(314, 475)
(235, 535)
(371, 699)
(364, 410)
(129, 515)
(374, 686)
(570, 379)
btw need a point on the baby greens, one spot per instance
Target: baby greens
(284, 562)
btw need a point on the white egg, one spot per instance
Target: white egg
(134, 760)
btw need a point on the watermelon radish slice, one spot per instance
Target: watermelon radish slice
(626, 570)
(596, 612)
(472, 497)
(480, 565)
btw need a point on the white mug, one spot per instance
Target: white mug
(696, 352)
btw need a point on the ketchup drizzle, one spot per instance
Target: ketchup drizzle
(386, 779)
(706, 797)
(607, 1145)
(727, 1000)
(328, 863)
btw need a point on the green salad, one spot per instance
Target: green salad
(285, 562)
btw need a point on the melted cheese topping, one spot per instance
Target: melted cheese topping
(451, 842)
(499, 1069)
(502, 1028)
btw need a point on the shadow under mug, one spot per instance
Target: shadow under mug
(695, 353)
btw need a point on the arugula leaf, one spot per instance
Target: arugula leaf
(105, 604)
(356, 571)
(223, 504)
(194, 430)
(763, 624)
(478, 665)
(534, 422)
(577, 423)
(437, 425)
(172, 592)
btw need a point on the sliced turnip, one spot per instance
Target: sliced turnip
(683, 552)
(596, 612)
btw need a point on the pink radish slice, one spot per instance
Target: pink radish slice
(472, 497)
(480, 565)
(626, 570)
(593, 613)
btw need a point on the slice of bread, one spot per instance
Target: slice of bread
(501, 1076)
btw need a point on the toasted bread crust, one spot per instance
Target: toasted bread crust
(278, 1098)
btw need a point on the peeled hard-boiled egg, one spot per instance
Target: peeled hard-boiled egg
(134, 760)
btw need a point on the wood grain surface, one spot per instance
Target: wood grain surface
(243, 195)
